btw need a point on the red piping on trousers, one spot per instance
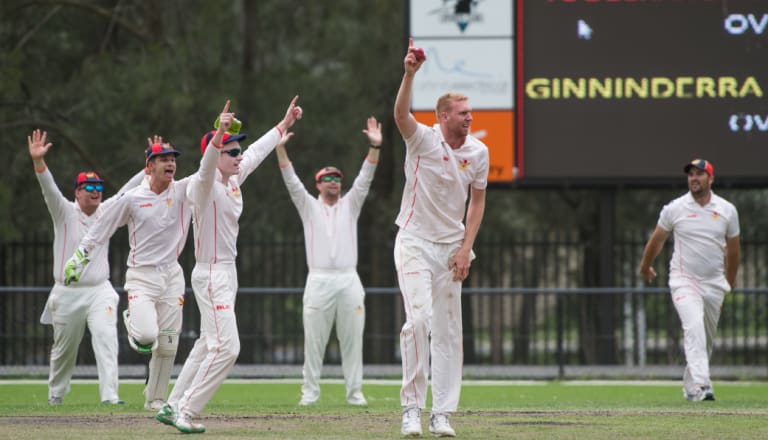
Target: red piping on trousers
(218, 338)
(407, 304)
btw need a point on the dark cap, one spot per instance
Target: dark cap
(87, 177)
(328, 171)
(701, 164)
(160, 150)
(227, 138)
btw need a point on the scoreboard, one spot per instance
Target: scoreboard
(625, 92)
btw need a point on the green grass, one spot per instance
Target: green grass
(498, 410)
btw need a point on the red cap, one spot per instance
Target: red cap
(87, 177)
(328, 171)
(227, 138)
(701, 164)
(160, 150)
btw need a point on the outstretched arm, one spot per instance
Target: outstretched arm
(292, 115)
(282, 155)
(652, 249)
(404, 119)
(38, 148)
(373, 132)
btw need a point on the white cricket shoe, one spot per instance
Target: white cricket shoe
(185, 424)
(55, 401)
(357, 399)
(439, 426)
(154, 405)
(411, 422)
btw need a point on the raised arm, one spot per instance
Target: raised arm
(652, 249)
(373, 132)
(282, 155)
(404, 119)
(54, 199)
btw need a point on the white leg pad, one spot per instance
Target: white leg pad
(161, 365)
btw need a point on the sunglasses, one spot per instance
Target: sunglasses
(91, 188)
(330, 179)
(233, 152)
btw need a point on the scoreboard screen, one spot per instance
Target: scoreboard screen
(628, 91)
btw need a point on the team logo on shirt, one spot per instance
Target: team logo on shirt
(715, 215)
(181, 301)
(236, 192)
(463, 164)
(168, 202)
(109, 310)
(359, 310)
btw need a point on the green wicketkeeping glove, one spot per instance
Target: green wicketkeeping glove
(75, 266)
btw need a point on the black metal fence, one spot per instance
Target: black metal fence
(553, 319)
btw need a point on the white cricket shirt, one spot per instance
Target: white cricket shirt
(70, 224)
(437, 179)
(157, 224)
(330, 232)
(700, 234)
(217, 207)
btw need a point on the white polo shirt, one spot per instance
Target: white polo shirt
(157, 224)
(437, 179)
(217, 207)
(70, 224)
(330, 232)
(700, 234)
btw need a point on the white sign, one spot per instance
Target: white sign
(480, 69)
(461, 18)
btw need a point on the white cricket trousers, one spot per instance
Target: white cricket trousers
(72, 308)
(216, 350)
(333, 295)
(698, 305)
(432, 302)
(156, 304)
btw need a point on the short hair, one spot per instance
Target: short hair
(444, 102)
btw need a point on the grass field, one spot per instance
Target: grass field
(488, 410)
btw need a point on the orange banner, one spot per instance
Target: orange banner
(495, 128)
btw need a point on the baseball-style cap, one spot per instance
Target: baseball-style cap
(701, 164)
(160, 150)
(87, 177)
(328, 171)
(227, 138)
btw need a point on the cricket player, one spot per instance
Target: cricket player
(216, 199)
(94, 301)
(702, 270)
(157, 216)
(333, 289)
(433, 248)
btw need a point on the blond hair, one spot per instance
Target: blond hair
(445, 102)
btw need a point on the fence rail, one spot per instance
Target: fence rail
(502, 326)
(556, 319)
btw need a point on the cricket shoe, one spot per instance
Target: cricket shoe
(357, 399)
(113, 402)
(411, 422)
(439, 426)
(184, 423)
(166, 415)
(55, 401)
(697, 396)
(154, 405)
